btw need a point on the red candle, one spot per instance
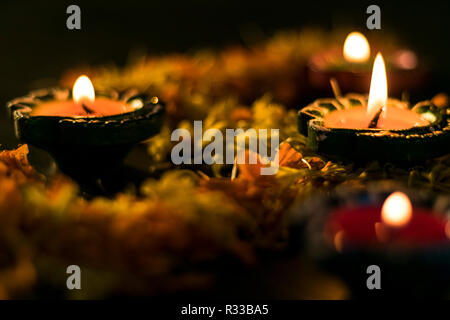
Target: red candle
(396, 223)
(84, 104)
(389, 114)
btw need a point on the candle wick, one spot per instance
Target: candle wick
(374, 122)
(87, 109)
(335, 87)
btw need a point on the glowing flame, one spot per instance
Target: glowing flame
(356, 48)
(83, 90)
(397, 210)
(378, 86)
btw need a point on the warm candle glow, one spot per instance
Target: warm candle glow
(356, 48)
(378, 86)
(397, 210)
(83, 90)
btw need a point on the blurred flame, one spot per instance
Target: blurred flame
(83, 90)
(378, 86)
(397, 210)
(356, 48)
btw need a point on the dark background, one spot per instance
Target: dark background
(37, 47)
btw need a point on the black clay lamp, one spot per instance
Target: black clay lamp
(376, 128)
(87, 136)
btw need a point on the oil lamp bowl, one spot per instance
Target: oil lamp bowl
(86, 147)
(408, 271)
(408, 145)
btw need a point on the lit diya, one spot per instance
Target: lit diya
(350, 66)
(87, 134)
(396, 223)
(350, 231)
(377, 127)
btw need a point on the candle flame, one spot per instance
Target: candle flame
(378, 86)
(356, 48)
(397, 210)
(83, 90)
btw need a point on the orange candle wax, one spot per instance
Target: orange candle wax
(84, 104)
(99, 108)
(393, 118)
(380, 112)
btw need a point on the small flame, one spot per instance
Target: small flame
(83, 90)
(378, 86)
(356, 48)
(397, 210)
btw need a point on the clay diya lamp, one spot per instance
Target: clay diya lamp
(350, 66)
(347, 233)
(376, 128)
(87, 133)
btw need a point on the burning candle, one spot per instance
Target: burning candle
(87, 134)
(348, 231)
(380, 112)
(397, 222)
(349, 65)
(375, 128)
(83, 103)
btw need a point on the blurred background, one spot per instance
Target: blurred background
(37, 48)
